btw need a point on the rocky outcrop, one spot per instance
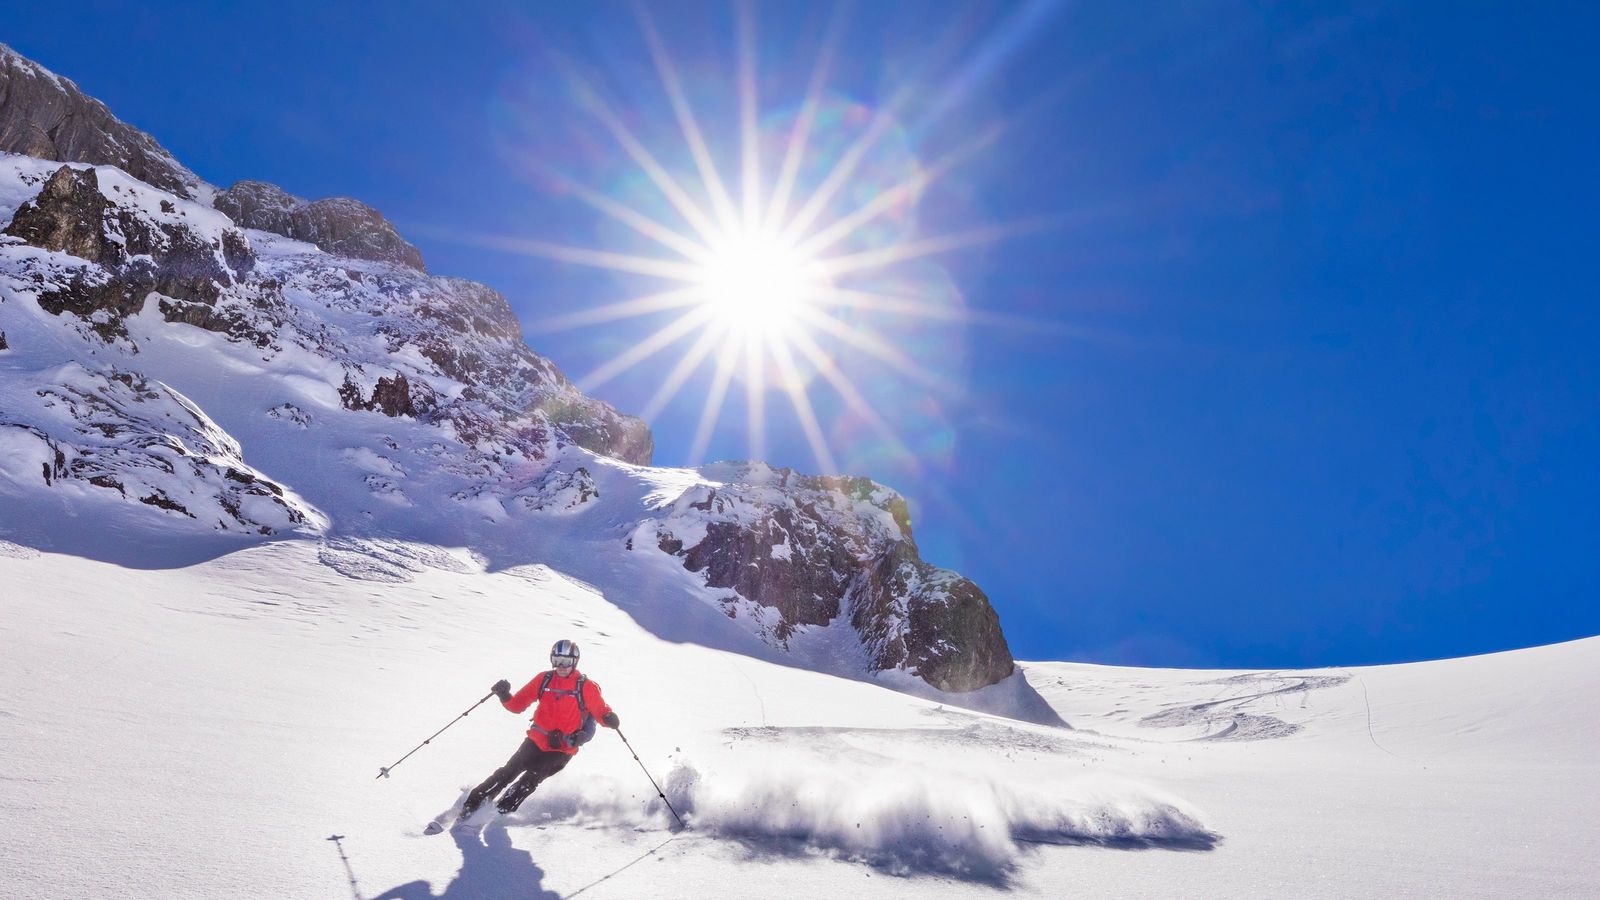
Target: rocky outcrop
(69, 216)
(928, 620)
(592, 426)
(135, 250)
(257, 204)
(45, 116)
(391, 396)
(799, 552)
(339, 225)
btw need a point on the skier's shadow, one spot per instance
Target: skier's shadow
(490, 867)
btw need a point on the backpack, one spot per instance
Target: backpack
(584, 734)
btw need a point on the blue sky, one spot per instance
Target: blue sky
(1294, 361)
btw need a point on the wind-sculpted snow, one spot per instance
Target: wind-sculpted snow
(389, 561)
(905, 820)
(105, 433)
(17, 551)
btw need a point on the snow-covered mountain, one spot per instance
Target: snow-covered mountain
(185, 371)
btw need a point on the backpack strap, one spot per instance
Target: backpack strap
(586, 733)
(582, 706)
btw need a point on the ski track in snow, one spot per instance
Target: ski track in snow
(1225, 718)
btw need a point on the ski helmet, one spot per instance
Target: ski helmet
(564, 655)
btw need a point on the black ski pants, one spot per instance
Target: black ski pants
(526, 768)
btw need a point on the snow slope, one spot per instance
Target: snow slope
(201, 731)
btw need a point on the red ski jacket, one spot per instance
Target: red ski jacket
(558, 709)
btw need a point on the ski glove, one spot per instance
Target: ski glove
(502, 689)
(557, 739)
(610, 720)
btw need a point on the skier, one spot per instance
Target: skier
(568, 706)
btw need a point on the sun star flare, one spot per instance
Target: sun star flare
(779, 264)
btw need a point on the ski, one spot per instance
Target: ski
(461, 824)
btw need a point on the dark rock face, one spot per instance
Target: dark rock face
(47, 117)
(133, 254)
(807, 586)
(812, 549)
(929, 621)
(339, 225)
(346, 227)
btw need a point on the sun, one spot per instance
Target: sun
(756, 285)
(778, 272)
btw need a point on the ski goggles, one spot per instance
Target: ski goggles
(563, 662)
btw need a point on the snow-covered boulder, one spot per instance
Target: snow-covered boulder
(560, 491)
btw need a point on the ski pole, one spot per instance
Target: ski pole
(652, 779)
(384, 771)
